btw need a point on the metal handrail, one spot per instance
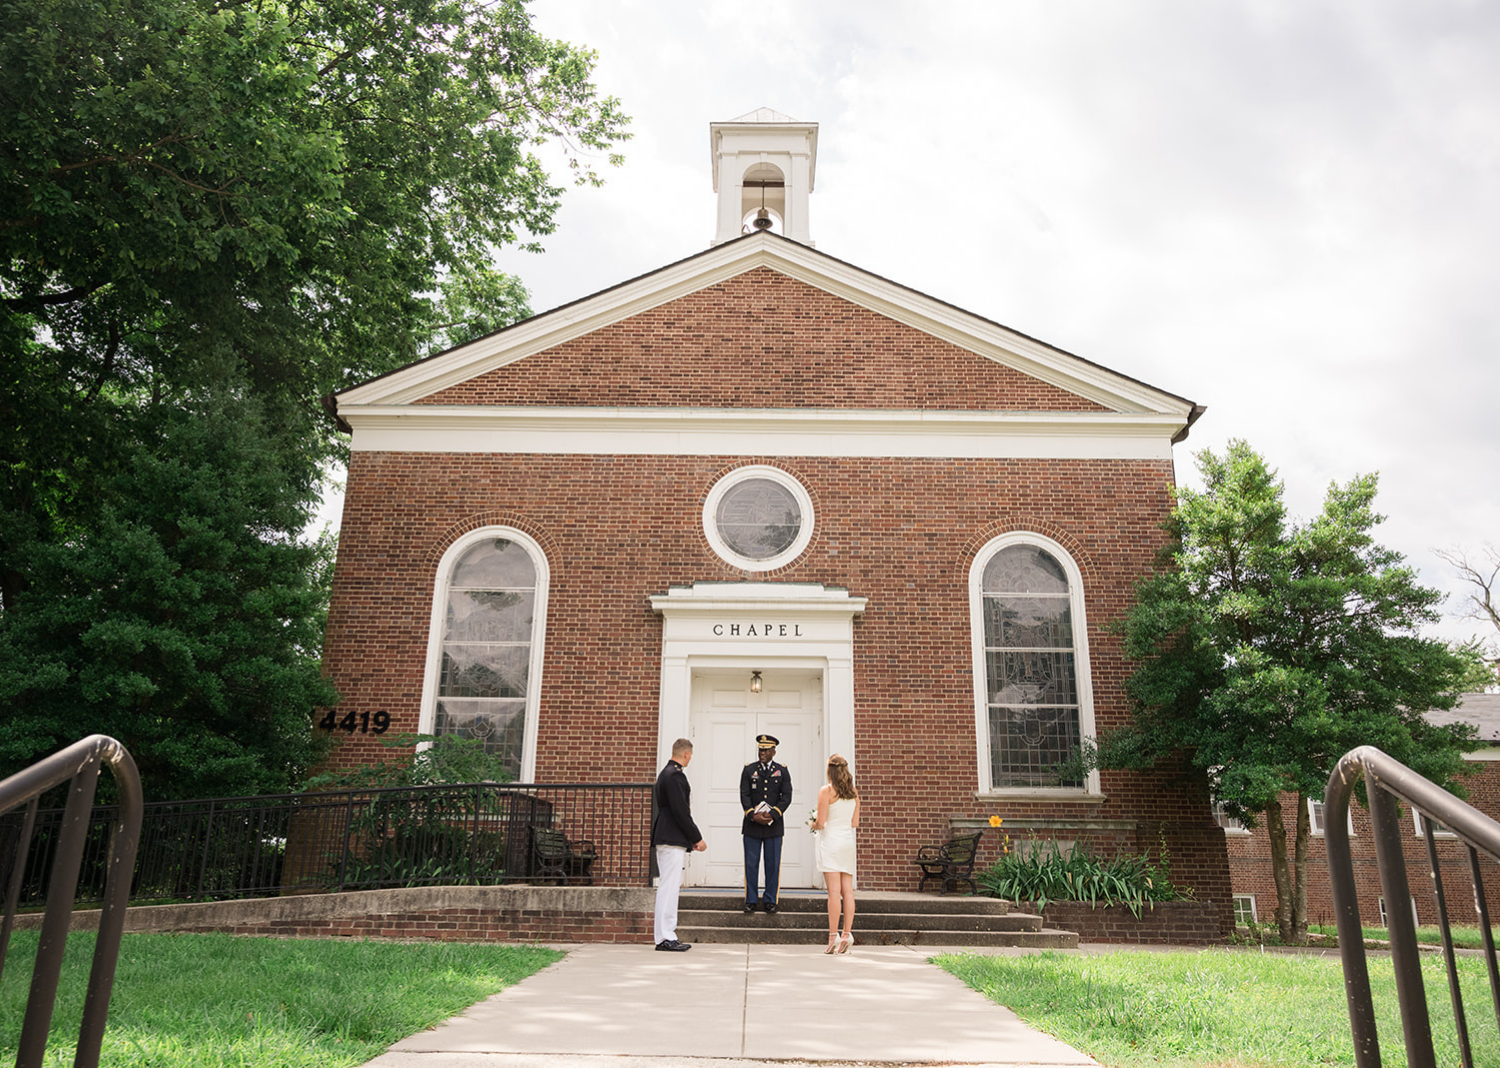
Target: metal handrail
(453, 833)
(1388, 780)
(79, 762)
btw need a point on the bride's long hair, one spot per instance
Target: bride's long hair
(840, 779)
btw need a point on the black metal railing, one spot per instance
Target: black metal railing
(473, 833)
(1387, 781)
(79, 762)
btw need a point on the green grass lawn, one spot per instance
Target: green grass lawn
(185, 1001)
(1463, 937)
(1219, 1008)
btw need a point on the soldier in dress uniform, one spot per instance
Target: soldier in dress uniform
(765, 793)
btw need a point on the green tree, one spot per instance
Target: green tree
(223, 210)
(182, 619)
(1265, 649)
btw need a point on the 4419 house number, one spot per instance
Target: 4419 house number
(365, 723)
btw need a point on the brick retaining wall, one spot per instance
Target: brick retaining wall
(1174, 922)
(443, 913)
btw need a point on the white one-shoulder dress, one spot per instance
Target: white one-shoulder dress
(836, 839)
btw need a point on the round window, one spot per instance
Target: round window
(758, 518)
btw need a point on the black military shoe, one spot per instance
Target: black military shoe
(770, 907)
(750, 907)
(671, 945)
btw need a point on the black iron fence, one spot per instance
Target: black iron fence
(473, 833)
(79, 766)
(1388, 781)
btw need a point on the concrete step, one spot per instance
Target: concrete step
(872, 902)
(865, 920)
(807, 936)
(880, 918)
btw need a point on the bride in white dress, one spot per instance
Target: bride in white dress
(837, 817)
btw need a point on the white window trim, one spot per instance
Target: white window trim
(1384, 922)
(734, 478)
(1217, 807)
(538, 634)
(1236, 898)
(1083, 667)
(1314, 831)
(1416, 822)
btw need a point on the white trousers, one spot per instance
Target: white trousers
(669, 864)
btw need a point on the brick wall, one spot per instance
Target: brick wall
(1250, 863)
(438, 913)
(762, 340)
(900, 532)
(1167, 923)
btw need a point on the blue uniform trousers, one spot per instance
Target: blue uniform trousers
(753, 850)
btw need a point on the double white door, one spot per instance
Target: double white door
(725, 719)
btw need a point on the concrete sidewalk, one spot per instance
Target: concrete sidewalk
(734, 1004)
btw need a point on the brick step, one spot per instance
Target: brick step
(807, 936)
(864, 920)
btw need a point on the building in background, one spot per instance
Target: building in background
(1250, 849)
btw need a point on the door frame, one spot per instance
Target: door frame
(716, 782)
(748, 626)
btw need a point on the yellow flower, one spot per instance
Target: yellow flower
(996, 821)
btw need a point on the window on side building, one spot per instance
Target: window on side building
(1033, 696)
(484, 658)
(1439, 829)
(1231, 824)
(1315, 817)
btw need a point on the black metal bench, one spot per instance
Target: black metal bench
(557, 858)
(952, 862)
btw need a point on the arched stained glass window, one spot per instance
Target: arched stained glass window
(491, 605)
(1031, 666)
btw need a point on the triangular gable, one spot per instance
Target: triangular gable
(566, 330)
(762, 339)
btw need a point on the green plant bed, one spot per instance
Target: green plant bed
(205, 1001)
(1219, 1008)
(1044, 873)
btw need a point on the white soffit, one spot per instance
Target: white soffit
(965, 330)
(761, 432)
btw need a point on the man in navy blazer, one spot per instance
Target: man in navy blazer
(673, 833)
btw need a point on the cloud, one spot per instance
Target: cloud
(1284, 210)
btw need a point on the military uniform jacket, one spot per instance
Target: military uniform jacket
(770, 783)
(674, 818)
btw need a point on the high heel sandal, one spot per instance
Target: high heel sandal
(833, 941)
(845, 943)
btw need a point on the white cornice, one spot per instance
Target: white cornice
(795, 260)
(762, 432)
(710, 599)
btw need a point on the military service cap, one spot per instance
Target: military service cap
(766, 741)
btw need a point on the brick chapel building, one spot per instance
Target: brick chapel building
(763, 490)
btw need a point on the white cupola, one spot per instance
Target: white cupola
(764, 163)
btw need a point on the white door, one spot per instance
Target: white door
(725, 719)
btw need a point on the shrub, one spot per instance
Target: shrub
(1044, 873)
(421, 838)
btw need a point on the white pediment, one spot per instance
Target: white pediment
(1118, 393)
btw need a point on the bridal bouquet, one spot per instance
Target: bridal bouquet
(812, 817)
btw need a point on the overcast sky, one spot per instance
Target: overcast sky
(1287, 211)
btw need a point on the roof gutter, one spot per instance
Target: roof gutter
(330, 402)
(1181, 435)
